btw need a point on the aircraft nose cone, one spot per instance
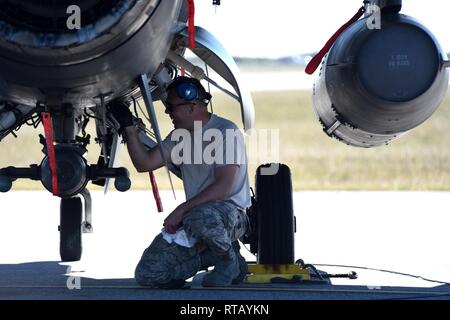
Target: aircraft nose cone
(375, 85)
(398, 65)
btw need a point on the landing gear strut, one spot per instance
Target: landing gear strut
(65, 172)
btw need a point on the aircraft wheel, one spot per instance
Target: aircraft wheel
(275, 217)
(70, 229)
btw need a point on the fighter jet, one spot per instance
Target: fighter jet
(61, 62)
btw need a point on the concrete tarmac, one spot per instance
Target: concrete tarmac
(402, 232)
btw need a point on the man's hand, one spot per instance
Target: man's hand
(173, 220)
(122, 113)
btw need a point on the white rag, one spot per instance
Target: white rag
(180, 237)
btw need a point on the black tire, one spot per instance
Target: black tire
(275, 217)
(70, 229)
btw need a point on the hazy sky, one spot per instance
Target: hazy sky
(269, 28)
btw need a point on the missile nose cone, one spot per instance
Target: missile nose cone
(122, 183)
(5, 183)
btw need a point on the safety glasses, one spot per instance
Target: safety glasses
(171, 107)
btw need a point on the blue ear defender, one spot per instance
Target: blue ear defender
(187, 91)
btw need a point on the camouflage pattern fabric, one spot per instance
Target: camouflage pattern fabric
(216, 224)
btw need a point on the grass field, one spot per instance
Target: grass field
(418, 161)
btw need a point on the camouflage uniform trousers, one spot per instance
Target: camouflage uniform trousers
(216, 225)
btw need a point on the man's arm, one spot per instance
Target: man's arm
(143, 160)
(218, 190)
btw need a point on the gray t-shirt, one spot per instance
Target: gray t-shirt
(217, 143)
